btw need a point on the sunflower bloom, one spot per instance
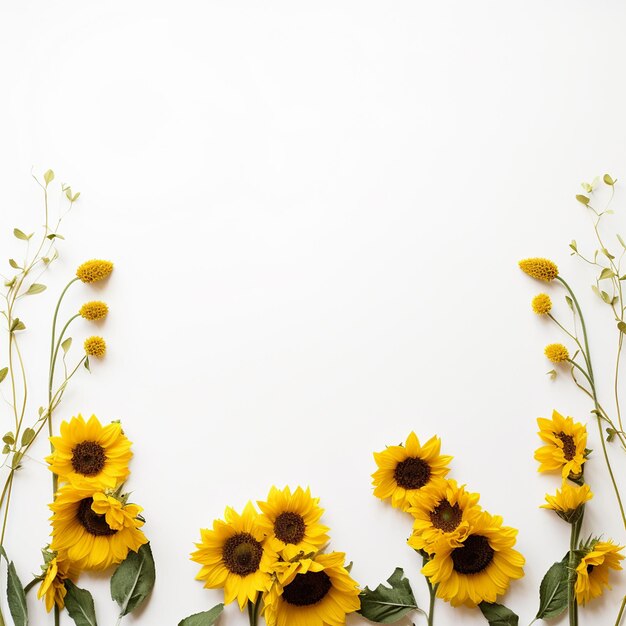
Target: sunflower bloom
(312, 592)
(94, 270)
(541, 269)
(404, 470)
(542, 304)
(592, 573)
(95, 346)
(291, 520)
(94, 530)
(568, 501)
(52, 587)
(565, 441)
(481, 568)
(441, 512)
(556, 352)
(233, 556)
(94, 310)
(88, 453)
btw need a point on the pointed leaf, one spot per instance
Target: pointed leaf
(16, 597)
(606, 273)
(388, 604)
(79, 605)
(21, 235)
(35, 288)
(13, 263)
(3, 373)
(48, 176)
(622, 326)
(498, 614)
(133, 580)
(27, 436)
(553, 591)
(608, 180)
(206, 618)
(66, 345)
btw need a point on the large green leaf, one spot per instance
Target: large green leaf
(553, 590)
(79, 605)
(206, 618)
(16, 597)
(133, 580)
(498, 614)
(386, 605)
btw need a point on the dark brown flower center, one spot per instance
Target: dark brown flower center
(590, 568)
(446, 516)
(569, 447)
(307, 589)
(289, 527)
(93, 523)
(242, 554)
(412, 473)
(474, 556)
(88, 458)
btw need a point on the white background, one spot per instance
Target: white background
(315, 210)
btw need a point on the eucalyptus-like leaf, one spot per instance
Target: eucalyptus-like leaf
(66, 345)
(133, 580)
(79, 605)
(206, 618)
(619, 238)
(9, 438)
(14, 264)
(605, 296)
(27, 436)
(608, 180)
(17, 325)
(16, 597)
(48, 176)
(573, 245)
(553, 591)
(570, 302)
(582, 199)
(21, 235)
(498, 614)
(35, 288)
(3, 373)
(16, 460)
(52, 236)
(606, 273)
(386, 605)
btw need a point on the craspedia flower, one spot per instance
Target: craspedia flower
(88, 453)
(314, 591)
(94, 270)
(95, 346)
(292, 520)
(565, 441)
(403, 470)
(556, 352)
(94, 310)
(93, 529)
(481, 568)
(441, 512)
(568, 501)
(233, 556)
(541, 269)
(592, 573)
(52, 588)
(541, 303)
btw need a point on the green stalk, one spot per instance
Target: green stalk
(432, 591)
(57, 615)
(621, 612)
(572, 605)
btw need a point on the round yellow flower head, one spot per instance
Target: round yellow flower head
(568, 501)
(95, 346)
(541, 269)
(94, 310)
(556, 352)
(542, 305)
(592, 573)
(94, 270)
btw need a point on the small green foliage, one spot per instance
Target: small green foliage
(79, 605)
(27, 436)
(21, 235)
(3, 373)
(606, 273)
(552, 374)
(9, 438)
(48, 176)
(582, 199)
(66, 345)
(34, 289)
(498, 614)
(14, 264)
(608, 180)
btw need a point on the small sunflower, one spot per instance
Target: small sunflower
(592, 573)
(52, 588)
(94, 270)
(94, 310)
(568, 500)
(93, 529)
(95, 346)
(312, 592)
(233, 556)
(88, 453)
(542, 304)
(481, 568)
(566, 441)
(292, 520)
(556, 352)
(441, 512)
(403, 470)
(541, 269)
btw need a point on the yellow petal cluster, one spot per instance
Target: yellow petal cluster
(542, 304)
(539, 268)
(94, 270)
(592, 573)
(556, 352)
(95, 346)
(94, 310)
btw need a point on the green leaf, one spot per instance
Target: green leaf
(17, 324)
(13, 263)
(570, 302)
(86, 364)
(27, 436)
(66, 345)
(20, 235)
(48, 176)
(16, 460)
(622, 326)
(621, 241)
(9, 438)
(605, 296)
(79, 605)
(3, 373)
(498, 614)
(35, 288)
(54, 236)
(573, 245)
(606, 273)
(16, 597)
(388, 604)
(607, 254)
(553, 590)
(206, 618)
(608, 180)
(133, 580)
(582, 199)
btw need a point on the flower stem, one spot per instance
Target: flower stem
(572, 605)
(57, 615)
(621, 612)
(432, 591)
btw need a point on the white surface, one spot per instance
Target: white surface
(315, 210)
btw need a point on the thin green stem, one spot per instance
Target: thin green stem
(621, 612)
(32, 583)
(572, 605)
(57, 615)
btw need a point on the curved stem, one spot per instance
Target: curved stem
(31, 584)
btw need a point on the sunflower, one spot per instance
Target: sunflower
(94, 529)
(292, 520)
(565, 445)
(592, 573)
(312, 592)
(87, 453)
(404, 469)
(441, 511)
(52, 588)
(233, 556)
(481, 568)
(568, 501)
